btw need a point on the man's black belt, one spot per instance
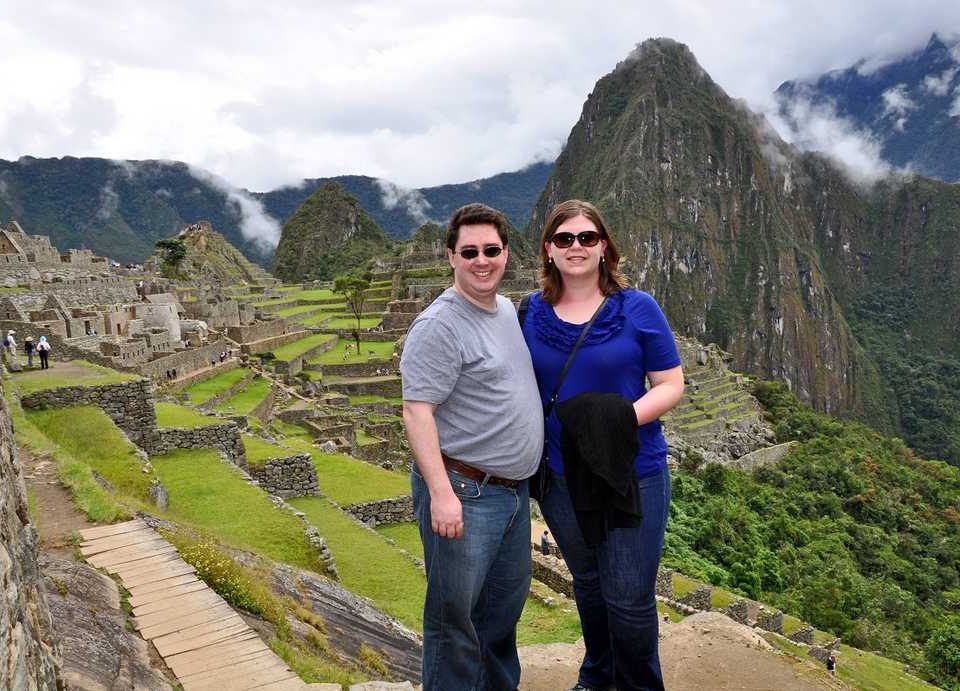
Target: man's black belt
(476, 474)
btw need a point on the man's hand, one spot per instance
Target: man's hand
(446, 515)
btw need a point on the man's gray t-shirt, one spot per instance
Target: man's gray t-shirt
(475, 367)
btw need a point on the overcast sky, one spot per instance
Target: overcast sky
(420, 93)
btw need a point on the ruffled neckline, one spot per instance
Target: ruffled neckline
(563, 335)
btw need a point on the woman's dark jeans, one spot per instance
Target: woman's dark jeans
(615, 587)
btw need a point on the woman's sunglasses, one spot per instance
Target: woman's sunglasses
(489, 252)
(586, 238)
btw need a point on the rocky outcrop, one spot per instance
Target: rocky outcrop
(91, 631)
(28, 660)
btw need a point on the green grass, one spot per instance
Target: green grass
(288, 352)
(351, 323)
(683, 586)
(246, 400)
(295, 310)
(89, 436)
(171, 415)
(257, 450)
(396, 585)
(791, 625)
(406, 535)
(542, 623)
(81, 373)
(203, 391)
(870, 672)
(371, 398)
(364, 439)
(209, 495)
(369, 350)
(349, 481)
(289, 430)
(720, 598)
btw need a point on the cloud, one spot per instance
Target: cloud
(954, 111)
(897, 103)
(255, 223)
(818, 127)
(109, 202)
(411, 201)
(939, 86)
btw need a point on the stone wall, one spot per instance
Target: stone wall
(374, 513)
(130, 405)
(265, 407)
(665, 583)
(765, 456)
(267, 344)
(553, 573)
(26, 662)
(60, 350)
(258, 331)
(224, 438)
(292, 476)
(188, 381)
(184, 361)
(739, 611)
(358, 369)
(701, 598)
(770, 621)
(291, 367)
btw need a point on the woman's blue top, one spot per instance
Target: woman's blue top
(630, 337)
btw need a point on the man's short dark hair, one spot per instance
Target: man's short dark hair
(475, 214)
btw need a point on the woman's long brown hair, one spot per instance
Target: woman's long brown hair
(551, 282)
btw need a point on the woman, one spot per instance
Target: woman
(630, 342)
(43, 348)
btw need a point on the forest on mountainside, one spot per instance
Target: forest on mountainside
(852, 532)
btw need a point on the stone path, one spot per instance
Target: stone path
(202, 640)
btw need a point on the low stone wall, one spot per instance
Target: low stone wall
(258, 331)
(184, 361)
(26, 662)
(701, 598)
(216, 400)
(553, 573)
(374, 513)
(292, 476)
(265, 407)
(665, 583)
(291, 367)
(388, 387)
(378, 336)
(130, 405)
(765, 456)
(803, 635)
(770, 621)
(372, 368)
(739, 611)
(268, 344)
(60, 350)
(224, 438)
(191, 379)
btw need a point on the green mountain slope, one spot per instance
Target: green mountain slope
(329, 234)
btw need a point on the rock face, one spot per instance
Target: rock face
(211, 258)
(90, 630)
(745, 241)
(328, 235)
(27, 659)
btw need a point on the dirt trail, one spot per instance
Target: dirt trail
(704, 651)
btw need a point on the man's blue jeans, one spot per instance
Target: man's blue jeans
(476, 587)
(615, 587)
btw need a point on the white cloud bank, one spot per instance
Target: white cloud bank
(255, 223)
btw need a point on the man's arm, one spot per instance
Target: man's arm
(446, 513)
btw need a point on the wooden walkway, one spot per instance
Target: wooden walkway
(203, 641)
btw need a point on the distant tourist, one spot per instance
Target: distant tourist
(832, 664)
(10, 350)
(606, 494)
(29, 348)
(43, 349)
(470, 411)
(545, 543)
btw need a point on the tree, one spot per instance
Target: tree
(353, 289)
(174, 252)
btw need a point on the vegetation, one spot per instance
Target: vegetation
(291, 351)
(172, 254)
(210, 496)
(247, 399)
(353, 289)
(79, 373)
(173, 415)
(203, 391)
(367, 351)
(851, 531)
(258, 451)
(86, 433)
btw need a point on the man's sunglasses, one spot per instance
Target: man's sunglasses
(586, 238)
(489, 252)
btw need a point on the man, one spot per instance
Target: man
(545, 546)
(473, 418)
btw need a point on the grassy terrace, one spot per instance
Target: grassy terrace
(349, 481)
(203, 391)
(406, 535)
(86, 435)
(372, 398)
(171, 415)
(245, 401)
(210, 496)
(326, 322)
(298, 309)
(257, 450)
(293, 350)
(369, 350)
(61, 374)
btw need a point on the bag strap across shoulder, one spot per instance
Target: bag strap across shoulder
(548, 408)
